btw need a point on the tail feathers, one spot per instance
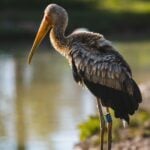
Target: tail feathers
(123, 103)
(123, 116)
(127, 104)
(137, 94)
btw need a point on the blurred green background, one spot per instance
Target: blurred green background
(41, 106)
(19, 18)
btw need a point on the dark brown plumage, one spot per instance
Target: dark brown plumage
(96, 64)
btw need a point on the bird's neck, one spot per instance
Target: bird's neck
(59, 41)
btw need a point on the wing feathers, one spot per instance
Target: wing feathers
(105, 69)
(107, 75)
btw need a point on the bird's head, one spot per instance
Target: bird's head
(54, 15)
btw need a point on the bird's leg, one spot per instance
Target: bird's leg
(109, 126)
(102, 123)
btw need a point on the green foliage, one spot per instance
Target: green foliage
(104, 16)
(111, 5)
(92, 127)
(134, 6)
(89, 127)
(139, 118)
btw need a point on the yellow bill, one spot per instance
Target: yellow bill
(43, 29)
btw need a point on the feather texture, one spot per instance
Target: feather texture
(97, 64)
(102, 66)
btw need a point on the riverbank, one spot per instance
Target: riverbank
(134, 137)
(138, 143)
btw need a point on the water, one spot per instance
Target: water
(41, 105)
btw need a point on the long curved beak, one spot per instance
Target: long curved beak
(43, 29)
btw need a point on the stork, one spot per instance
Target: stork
(95, 64)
